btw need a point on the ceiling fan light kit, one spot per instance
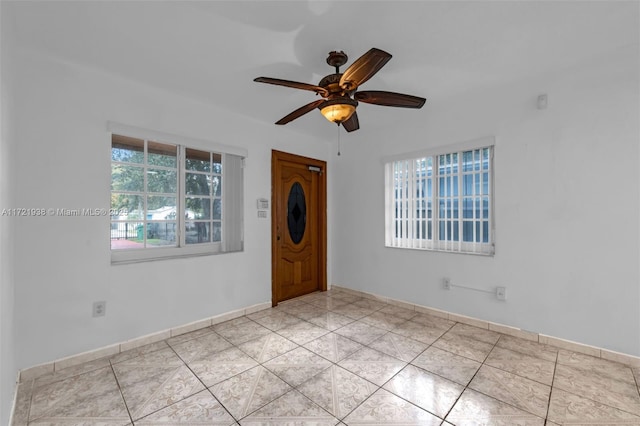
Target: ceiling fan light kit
(338, 110)
(339, 90)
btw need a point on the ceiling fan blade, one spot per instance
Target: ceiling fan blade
(294, 84)
(392, 99)
(352, 123)
(364, 68)
(300, 111)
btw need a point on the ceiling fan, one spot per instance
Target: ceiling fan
(339, 90)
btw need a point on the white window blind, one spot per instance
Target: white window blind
(441, 201)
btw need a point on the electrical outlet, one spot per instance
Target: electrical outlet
(446, 283)
(99, 309)
(501, 293)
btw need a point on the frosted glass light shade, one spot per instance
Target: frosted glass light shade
(338, 112)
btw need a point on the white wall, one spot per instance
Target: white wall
(566, 206)
(62, 264)
(8, 367)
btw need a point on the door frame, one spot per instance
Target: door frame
(277, 157)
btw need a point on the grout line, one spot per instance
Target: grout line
(553, 379)
(206, 388)
(124, 401)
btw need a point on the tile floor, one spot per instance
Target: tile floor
(336, 359)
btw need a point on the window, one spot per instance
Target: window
(170, 200)
(442, 201)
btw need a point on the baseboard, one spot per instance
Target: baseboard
(49, 367)
(607, 354)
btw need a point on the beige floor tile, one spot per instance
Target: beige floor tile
(303, 332)
(328, 303)
(346, 297)
(527, 347)
(267, 347)
(147, 389)
(432, 321)
(243, 332)
(520, 392)
(65, 373)
(361, 332)
(305, 311)
(385, 408)
(231, 323)
(383, 320)
(372, 365)
(297, 366)
(277, 320)
(93, 395)
(398, 312)
(476, 409)
(162, 358)
(426, 390)
(337, 390)
(199, 409)
(135, 352)
(24, 392)
(596, 366)
(330, 320)
(569, 409)
(353, 311)
(448, 365)
(374, 305)
(333, 347)
(293, 408)
(201, 347)
(419, 332)
(398, 346)
(476, 333)
(248, 391)
(153, 381)
(523, 365)
(181, 338)
(220, 366)
(598, 387)
(464, 346)
(262, 313)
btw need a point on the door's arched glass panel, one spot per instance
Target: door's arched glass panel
(296, 213)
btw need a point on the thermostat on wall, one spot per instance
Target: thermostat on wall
(263, 204)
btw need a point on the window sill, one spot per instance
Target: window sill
(487, 252)
(123, 257)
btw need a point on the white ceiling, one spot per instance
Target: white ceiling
(212, 50)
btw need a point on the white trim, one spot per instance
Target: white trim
(125, 256)
(488, 141)
(141, 133)
(111, 350)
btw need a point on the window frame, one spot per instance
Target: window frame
(436, 243)
(181, 249)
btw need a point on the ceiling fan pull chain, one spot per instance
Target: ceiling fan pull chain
(338, 139)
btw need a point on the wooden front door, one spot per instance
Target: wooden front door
(299, 253)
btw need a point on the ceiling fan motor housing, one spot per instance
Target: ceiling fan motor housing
(331, 82)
